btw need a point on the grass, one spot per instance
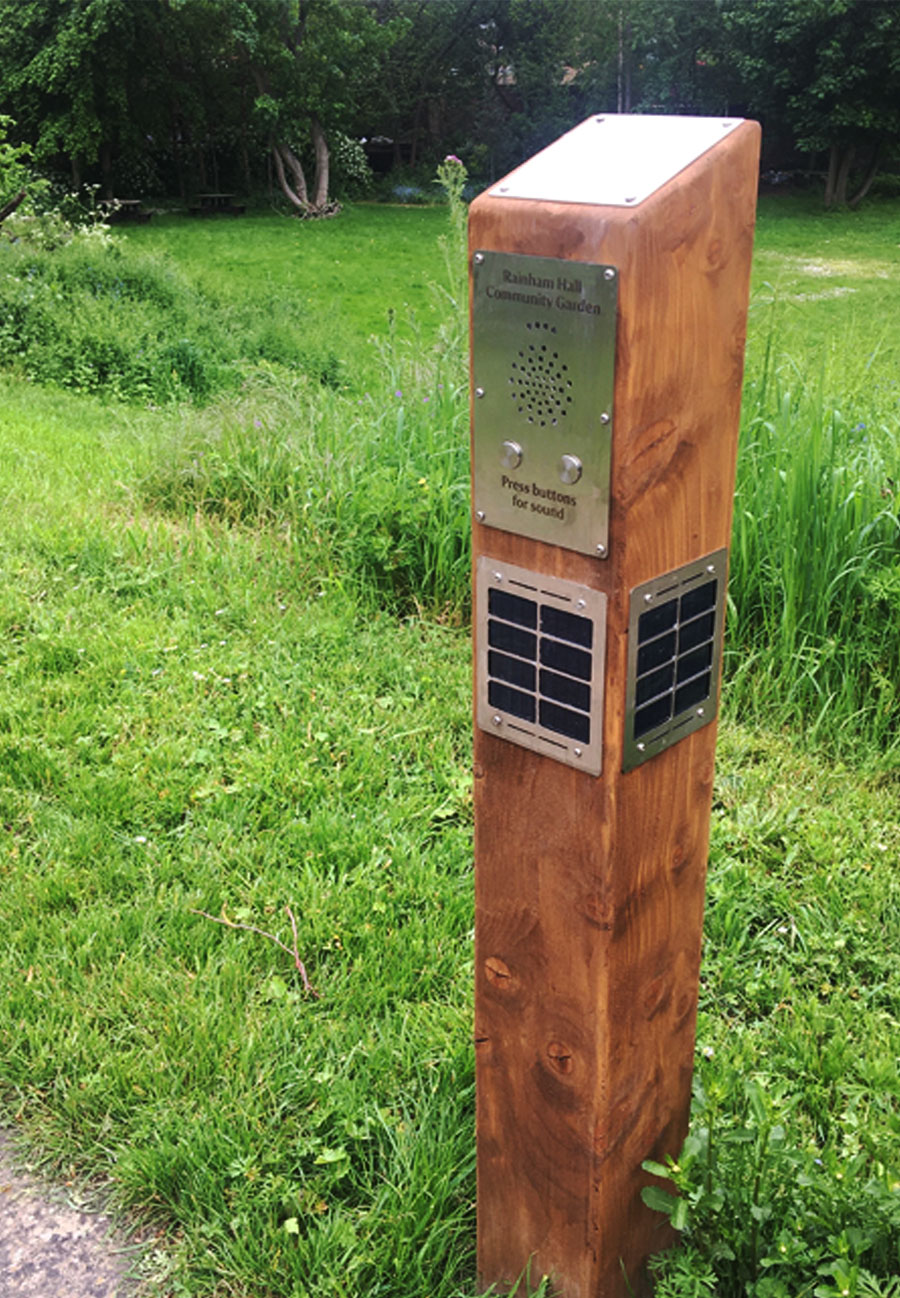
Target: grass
(234, 677)
(338, 282)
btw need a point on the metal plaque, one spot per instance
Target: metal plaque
(616, 160)
(674, 653)
(540, 668)
(543, 368)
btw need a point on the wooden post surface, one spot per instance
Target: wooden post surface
(590, 891)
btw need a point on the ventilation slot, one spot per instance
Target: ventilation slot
(673, 661)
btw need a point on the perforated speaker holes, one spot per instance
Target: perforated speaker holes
(539, 383)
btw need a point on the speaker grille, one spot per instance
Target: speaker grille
(540, 382)
(674, 643)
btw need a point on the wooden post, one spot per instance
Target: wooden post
(590, 888)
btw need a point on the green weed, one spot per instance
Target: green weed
(814, 557)
(371, 493)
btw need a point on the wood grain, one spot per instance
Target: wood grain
(589, 892)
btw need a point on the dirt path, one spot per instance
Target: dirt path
(51, 1249)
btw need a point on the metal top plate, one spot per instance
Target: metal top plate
(616, 160)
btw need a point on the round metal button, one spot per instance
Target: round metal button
(510, 455)
(569, 469)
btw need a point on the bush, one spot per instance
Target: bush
(84, 314)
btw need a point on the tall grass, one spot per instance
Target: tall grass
(815, 563)
(96, 315)
(371, 492)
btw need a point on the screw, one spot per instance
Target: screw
(479, 259)
(642, 748)
(599, 119)
(577, 752)
(710, 567)
(504, 189)
(581, 603)
(609, 273)
(498, 576)
(648, 598)
(479, 514)
(479, 392)
(631, 199)
(699, 712)
(604, 418)
(601, 549)
(497, 719)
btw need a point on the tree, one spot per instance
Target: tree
(431, 75)
(66, 68)
(310, 61)
(830, 69)
(14, 172)
(656, 56)
(190, 82)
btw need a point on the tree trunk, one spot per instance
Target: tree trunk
(839, 165)
(11, 206)
(296, 194)
(416, 128)
(244, 151)
(106, 168)
(175, 131)
(831, 180)
(320, 145)
(866, 182)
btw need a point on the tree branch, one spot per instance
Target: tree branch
(251, 928)
(11, 206)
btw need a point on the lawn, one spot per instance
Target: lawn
(234, 678)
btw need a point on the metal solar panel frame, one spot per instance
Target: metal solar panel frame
(552, 593)
(639, 748)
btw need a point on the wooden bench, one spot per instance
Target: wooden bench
(216, 205)
(121, 210)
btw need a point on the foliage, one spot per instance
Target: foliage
(770, 1219)
(375, 496)
(15, 172)
(184, 96)
(452, 176)
(829, 71)
(81, 314)
(353, 175)
(811, 483)
(65, 70)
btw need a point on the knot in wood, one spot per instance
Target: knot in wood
(561, 1057)
(498, 971)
